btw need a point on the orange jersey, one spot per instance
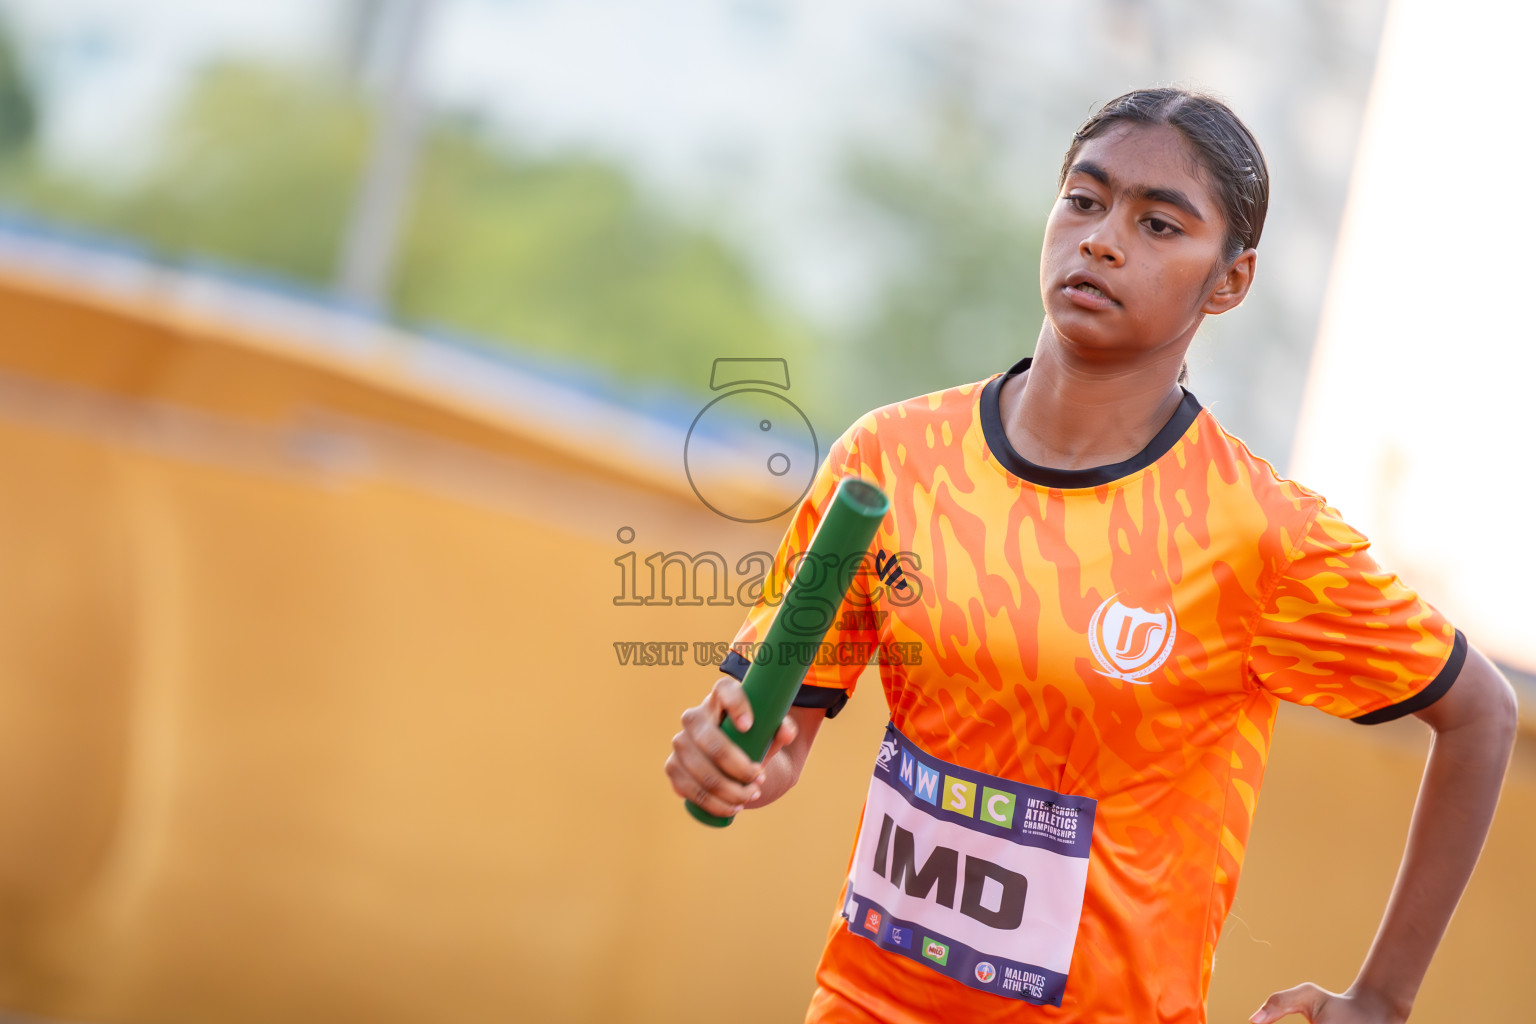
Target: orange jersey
(1121, 636)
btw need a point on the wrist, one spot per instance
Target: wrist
(1381, 999)
(778, 778)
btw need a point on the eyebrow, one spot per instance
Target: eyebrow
(1172, 196)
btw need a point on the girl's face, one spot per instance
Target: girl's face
(1133, 248)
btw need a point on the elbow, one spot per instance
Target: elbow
(1507, 712)
(1498, 709)
(1480, 707)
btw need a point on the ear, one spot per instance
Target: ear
(1231, 286)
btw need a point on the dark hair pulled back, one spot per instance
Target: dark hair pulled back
(1227, 151)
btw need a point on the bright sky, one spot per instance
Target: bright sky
(1419, 417)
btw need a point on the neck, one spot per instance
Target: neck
(1070, 413)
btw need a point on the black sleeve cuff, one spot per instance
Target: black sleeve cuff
(829, 697)
(1427, 696)
(735, 665)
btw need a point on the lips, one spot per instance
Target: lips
(1093, 285)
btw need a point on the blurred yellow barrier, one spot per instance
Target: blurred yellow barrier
(310, 711)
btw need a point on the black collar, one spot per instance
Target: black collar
(1045, 476)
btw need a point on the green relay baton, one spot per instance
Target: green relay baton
(820, 583)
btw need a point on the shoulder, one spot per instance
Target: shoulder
(1288, 508)
(942, 414)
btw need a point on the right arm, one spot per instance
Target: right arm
(704, 765)
(713, 772)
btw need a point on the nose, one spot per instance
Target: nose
(1101, 245)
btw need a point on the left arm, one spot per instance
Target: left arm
(1474, 726)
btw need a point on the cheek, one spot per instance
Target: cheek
(1050, 240)
(1180, 277)
(1050, 254)
(1062, 229)
(1058, 244)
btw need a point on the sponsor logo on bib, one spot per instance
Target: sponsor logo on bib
(1130, 643)
(936, 951)
(985, 972)
(872, 921)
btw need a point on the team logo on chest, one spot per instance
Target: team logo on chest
(1130, 643)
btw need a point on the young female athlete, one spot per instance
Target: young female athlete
(1110, 596)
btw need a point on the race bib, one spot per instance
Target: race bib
(976, 877)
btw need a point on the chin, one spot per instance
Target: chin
(1086, 331)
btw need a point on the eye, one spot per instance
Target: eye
(1082, 204)
(1162, 228)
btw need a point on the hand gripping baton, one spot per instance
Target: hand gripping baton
(820, 583)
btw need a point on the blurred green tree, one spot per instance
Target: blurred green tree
(18, 110)
(962, 299)
(561, 255)
(962, 223)
(256, 171)
(569, 256)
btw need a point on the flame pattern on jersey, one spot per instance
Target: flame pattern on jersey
(1269, 596)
